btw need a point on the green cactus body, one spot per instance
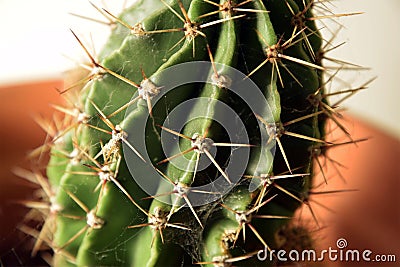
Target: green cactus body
(104, 217)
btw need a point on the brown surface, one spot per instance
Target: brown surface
(18, 135)
(370, 217)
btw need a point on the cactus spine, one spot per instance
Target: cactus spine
(99, 213)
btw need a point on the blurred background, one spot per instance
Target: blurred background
(36, 47)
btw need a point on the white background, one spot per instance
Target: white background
(35, 35)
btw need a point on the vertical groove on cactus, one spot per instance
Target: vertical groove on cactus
(114, 133)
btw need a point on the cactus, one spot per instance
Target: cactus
(166, 152)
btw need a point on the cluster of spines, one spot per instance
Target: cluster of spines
(105, 162)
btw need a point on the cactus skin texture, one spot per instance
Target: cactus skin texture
(100, 216)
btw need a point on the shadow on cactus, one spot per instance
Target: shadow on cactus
(194, 137)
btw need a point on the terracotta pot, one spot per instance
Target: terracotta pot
(20, 134)
(370, 217)
(367, 219)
